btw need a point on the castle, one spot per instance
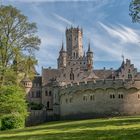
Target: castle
(76, 90)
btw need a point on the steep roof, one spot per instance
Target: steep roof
(37, 79)
(48, 75)
(103, 74)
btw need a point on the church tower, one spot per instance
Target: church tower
(74, 43)
(62, 58)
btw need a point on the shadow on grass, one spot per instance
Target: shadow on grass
(91, 123)
(127, 134)
(80, 130)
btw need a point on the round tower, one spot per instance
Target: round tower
(27, 83)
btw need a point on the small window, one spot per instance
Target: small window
(66, 100)
(46, 93)
(48, 104)
(70, 100)
(138, 96)
(113, 96)
(120, 96)
(84, 98)
(91, 97)
(38, 94)
(50, 93)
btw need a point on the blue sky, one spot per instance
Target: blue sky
(106, 23)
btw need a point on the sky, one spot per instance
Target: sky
(106, 23)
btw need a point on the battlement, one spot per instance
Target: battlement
(102, 84)
(73, 29)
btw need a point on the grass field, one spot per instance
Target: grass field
(123, 128)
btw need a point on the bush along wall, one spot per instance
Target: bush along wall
(12, 121)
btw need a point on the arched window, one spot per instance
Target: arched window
(71, 76)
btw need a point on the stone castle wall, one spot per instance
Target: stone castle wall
(100, 98)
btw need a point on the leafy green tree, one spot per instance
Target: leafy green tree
(12, 100)
(18, 41)
(13, 106)
(134, 9)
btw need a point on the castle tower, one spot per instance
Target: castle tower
(62, 57)
(74, 42)
(27, 83)
(89, 58)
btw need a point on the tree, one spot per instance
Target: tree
(134, 9)
(18, 41)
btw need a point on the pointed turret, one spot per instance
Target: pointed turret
(62, 57)
(62, 48)
(89, 48)
(89, 58)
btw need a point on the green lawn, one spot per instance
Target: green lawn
(123, 128)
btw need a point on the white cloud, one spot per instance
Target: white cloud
(123, 33)
(63, 19)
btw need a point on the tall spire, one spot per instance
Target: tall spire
(62, 48)
(89, 48)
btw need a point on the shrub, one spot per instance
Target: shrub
(35, 106)
(12, 121)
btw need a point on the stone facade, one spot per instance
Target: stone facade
(77, 90)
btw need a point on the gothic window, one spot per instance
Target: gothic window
(71, 76)
(112, 96)
(120, 96)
